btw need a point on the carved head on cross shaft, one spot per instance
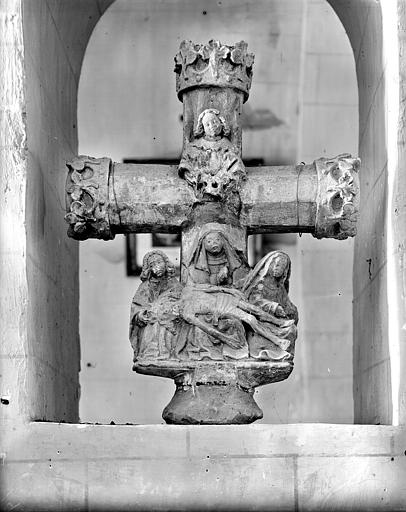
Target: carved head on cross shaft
(213, 242)
(211, 125)
(156, 264)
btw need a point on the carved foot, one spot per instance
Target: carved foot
(211, 404)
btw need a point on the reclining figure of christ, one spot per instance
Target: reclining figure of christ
(208, 318)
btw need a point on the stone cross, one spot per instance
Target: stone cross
(224, 329)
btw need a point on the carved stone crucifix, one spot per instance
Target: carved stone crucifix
(224, 329)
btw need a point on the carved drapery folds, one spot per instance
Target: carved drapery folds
(87, 189)
(213, 64)
(223, 312)
(337, 197)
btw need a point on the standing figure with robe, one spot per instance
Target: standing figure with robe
(214, 261)
(267, 286)
(211, 164)
(154, 320)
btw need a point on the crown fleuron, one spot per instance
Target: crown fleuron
(215, 64)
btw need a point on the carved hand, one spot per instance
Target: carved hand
(234, 343)
(222, 276)
(189, 177)
(145, 317)
(279, 311)
(176, 310)
(270, 306)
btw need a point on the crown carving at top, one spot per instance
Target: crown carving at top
(213, 64)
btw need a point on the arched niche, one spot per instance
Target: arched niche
(378, 315)
(50, 465)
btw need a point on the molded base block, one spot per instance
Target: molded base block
(210, 404)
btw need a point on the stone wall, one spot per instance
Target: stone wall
(161, 467)
(52, 60)
(13, 246)
(372, 371)
(42, 44)
(372, 385)
(398, 194)
(53, 339)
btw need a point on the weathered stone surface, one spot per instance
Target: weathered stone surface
(13, 176)
(221, 312)
(398, 207)
(146, 197)
(376, 483)
(38, 264)
(338, 197)
(87, 190)
(240, 467)
(213, 65)
(211, 164)
(211, 404)
(52, 485)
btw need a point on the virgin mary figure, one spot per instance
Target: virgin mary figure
(154, 309)
(267, 286)
(218, 315)
(214, 261)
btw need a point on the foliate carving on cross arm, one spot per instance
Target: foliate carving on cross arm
(213, 64)
(87, 191)
(337, 197)
(210, 163)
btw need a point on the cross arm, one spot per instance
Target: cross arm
(106, 198)
(321, 198)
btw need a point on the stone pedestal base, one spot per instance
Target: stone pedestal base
(215, 392)
(211, 404)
